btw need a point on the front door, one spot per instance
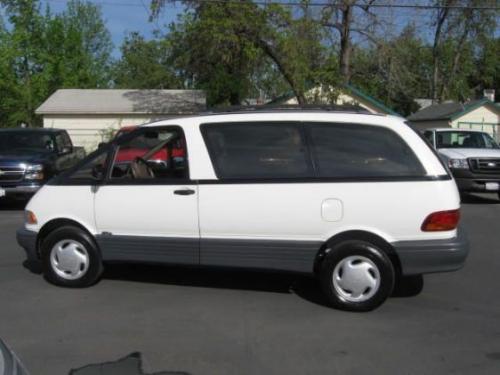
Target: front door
(148, 208)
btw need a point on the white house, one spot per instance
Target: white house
(90, 116)
(344, 95)
(480, 114)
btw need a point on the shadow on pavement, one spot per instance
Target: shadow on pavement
(202, 277)
(129, 365)
(306, 287)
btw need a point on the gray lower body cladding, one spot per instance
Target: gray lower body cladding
(296, 256)
(416, 257)
(27, 239)
(149, 249)
(430, 256)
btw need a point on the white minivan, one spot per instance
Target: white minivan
(359, 200)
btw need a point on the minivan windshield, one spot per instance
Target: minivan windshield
(464, 139)
(26, 140)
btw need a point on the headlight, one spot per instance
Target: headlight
(34, 172)
(458, 163)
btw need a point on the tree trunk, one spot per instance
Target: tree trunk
(268, 50)
(458, 55)
(441, 18)
(345, 43)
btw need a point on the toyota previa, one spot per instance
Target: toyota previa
(358, 200)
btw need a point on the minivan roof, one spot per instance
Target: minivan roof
(291, 108)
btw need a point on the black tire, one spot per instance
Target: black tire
(371, 255)
(94, 267)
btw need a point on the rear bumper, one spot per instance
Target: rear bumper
(429, 256)
(27, 240)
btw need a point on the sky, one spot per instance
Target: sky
(124, 16)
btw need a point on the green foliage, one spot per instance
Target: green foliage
(42, 52)
(146, 64)
(213, 49)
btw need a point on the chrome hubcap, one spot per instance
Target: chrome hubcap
(356, 278)
(69, 259)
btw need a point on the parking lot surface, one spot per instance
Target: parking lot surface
(198, 321)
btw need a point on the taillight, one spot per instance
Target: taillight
(30, 217)
(441, 221)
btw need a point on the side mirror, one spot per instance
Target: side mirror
(101, 145)
(65, 150)
(98, 172)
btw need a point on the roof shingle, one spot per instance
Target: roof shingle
(104, 101)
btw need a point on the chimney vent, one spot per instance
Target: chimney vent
(489, 94)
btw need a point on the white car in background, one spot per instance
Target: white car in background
(473, 157)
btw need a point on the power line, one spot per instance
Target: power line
(324, 4)
(314, 4)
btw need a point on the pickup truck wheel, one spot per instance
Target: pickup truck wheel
(357, 276)
(70, 258)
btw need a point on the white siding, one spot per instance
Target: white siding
(481, 114)
(483, 118)
(88, 130)
(342, 99)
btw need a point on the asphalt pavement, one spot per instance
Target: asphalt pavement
(197, 321)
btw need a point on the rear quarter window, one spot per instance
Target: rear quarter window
(352, 150)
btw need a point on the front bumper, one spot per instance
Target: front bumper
(474, 182)
(475, 185)
(27, 239)
(19, 190)
(429, 256)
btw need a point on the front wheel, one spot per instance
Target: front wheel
(357, 276)
(70, 258)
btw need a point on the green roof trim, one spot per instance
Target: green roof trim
(282, 98)
(470, 107)
(371, 100)
(290, 95)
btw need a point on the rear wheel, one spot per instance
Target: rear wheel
(70, 258)
(357, 276)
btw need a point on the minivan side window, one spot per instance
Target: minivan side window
(93, 168)
(152, 154)
(257, 150)
(352, 150)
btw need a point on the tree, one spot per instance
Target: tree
(9, 88)
(87, 33)
(221, 46)
(44, 52)
(212, 51)
(146, 64)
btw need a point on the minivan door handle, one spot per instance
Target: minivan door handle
(185, 191)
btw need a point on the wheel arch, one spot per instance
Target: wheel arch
(53, 224)
(359, 235)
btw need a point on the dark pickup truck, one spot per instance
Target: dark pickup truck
(30, 157)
